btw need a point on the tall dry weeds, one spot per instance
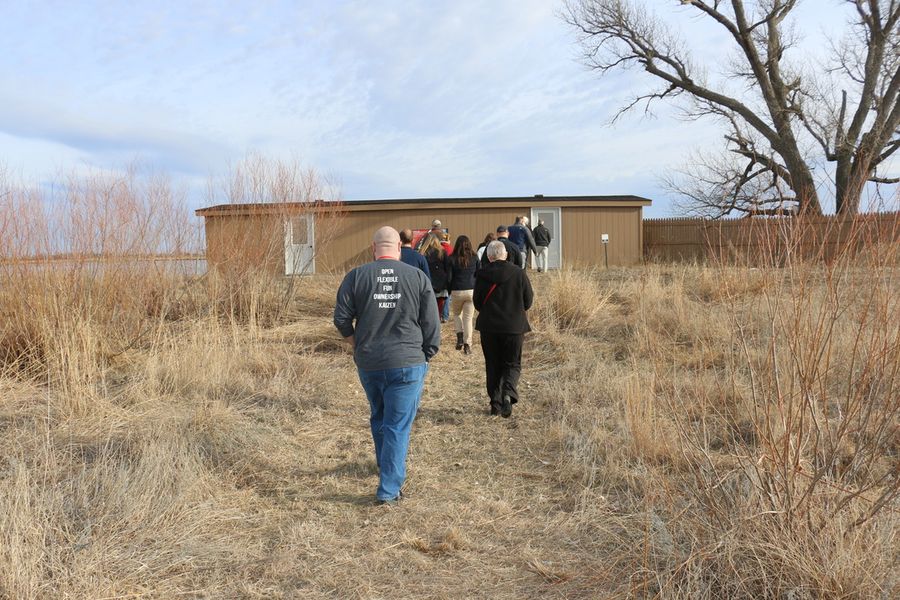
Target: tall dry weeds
(747, 417)
(130, 393)
(714, 431)
(800, 477)
(86, 273)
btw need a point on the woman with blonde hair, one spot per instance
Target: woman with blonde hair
(439, 266)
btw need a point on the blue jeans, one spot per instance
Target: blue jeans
(393, 399)
(445, 313)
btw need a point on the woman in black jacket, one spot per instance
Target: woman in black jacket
(463, 263)
(439, 266)
(502, 296)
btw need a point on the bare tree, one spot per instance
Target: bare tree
(785, 122)
(293, 202)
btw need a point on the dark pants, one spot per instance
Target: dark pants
(502, 364)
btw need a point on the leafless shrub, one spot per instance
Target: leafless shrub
(87, 273)
(255, 250)
(813, 365)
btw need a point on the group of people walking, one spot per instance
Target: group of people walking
(452, 270)
(390, 310)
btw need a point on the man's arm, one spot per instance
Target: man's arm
(529, 240)
(345, 308)
(429, 320)
(424, 265)
(513, 255)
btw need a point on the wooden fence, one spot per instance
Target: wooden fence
(766, 240)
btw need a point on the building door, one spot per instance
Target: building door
(299, 245)
(551, 216)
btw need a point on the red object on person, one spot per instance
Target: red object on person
(418, 236)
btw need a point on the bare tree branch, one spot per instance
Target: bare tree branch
(784, 110)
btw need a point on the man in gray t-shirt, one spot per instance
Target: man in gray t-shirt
(387, 311)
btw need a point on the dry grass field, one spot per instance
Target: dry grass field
(685, 432)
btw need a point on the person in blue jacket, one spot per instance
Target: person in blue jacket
(409, 255)
(522, 238)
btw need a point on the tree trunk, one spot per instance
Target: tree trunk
(851, 176)
(850, 179)
(803, 184)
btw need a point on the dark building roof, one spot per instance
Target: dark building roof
(401, 203)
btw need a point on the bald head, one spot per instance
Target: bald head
(406, 237)
(386, 243)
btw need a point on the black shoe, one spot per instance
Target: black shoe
(393, 501)
(459, 340)
(467, 349)
(506, 407)
(495, 410)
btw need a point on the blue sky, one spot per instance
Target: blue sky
(401, 98)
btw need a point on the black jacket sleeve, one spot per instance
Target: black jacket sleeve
(479, 292)
(450, 269)
(529, 240)
(527, 291)
(512, 253)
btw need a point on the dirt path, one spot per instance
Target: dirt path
(484, 517)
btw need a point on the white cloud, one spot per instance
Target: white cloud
(397, 98)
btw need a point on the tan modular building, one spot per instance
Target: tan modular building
(295, 238)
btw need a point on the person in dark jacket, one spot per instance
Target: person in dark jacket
(542, 239)
(410, 256)
(502, 296)
(532, 249)
(439, 266)
(520, 235)
(512, 251)
(463, 263)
